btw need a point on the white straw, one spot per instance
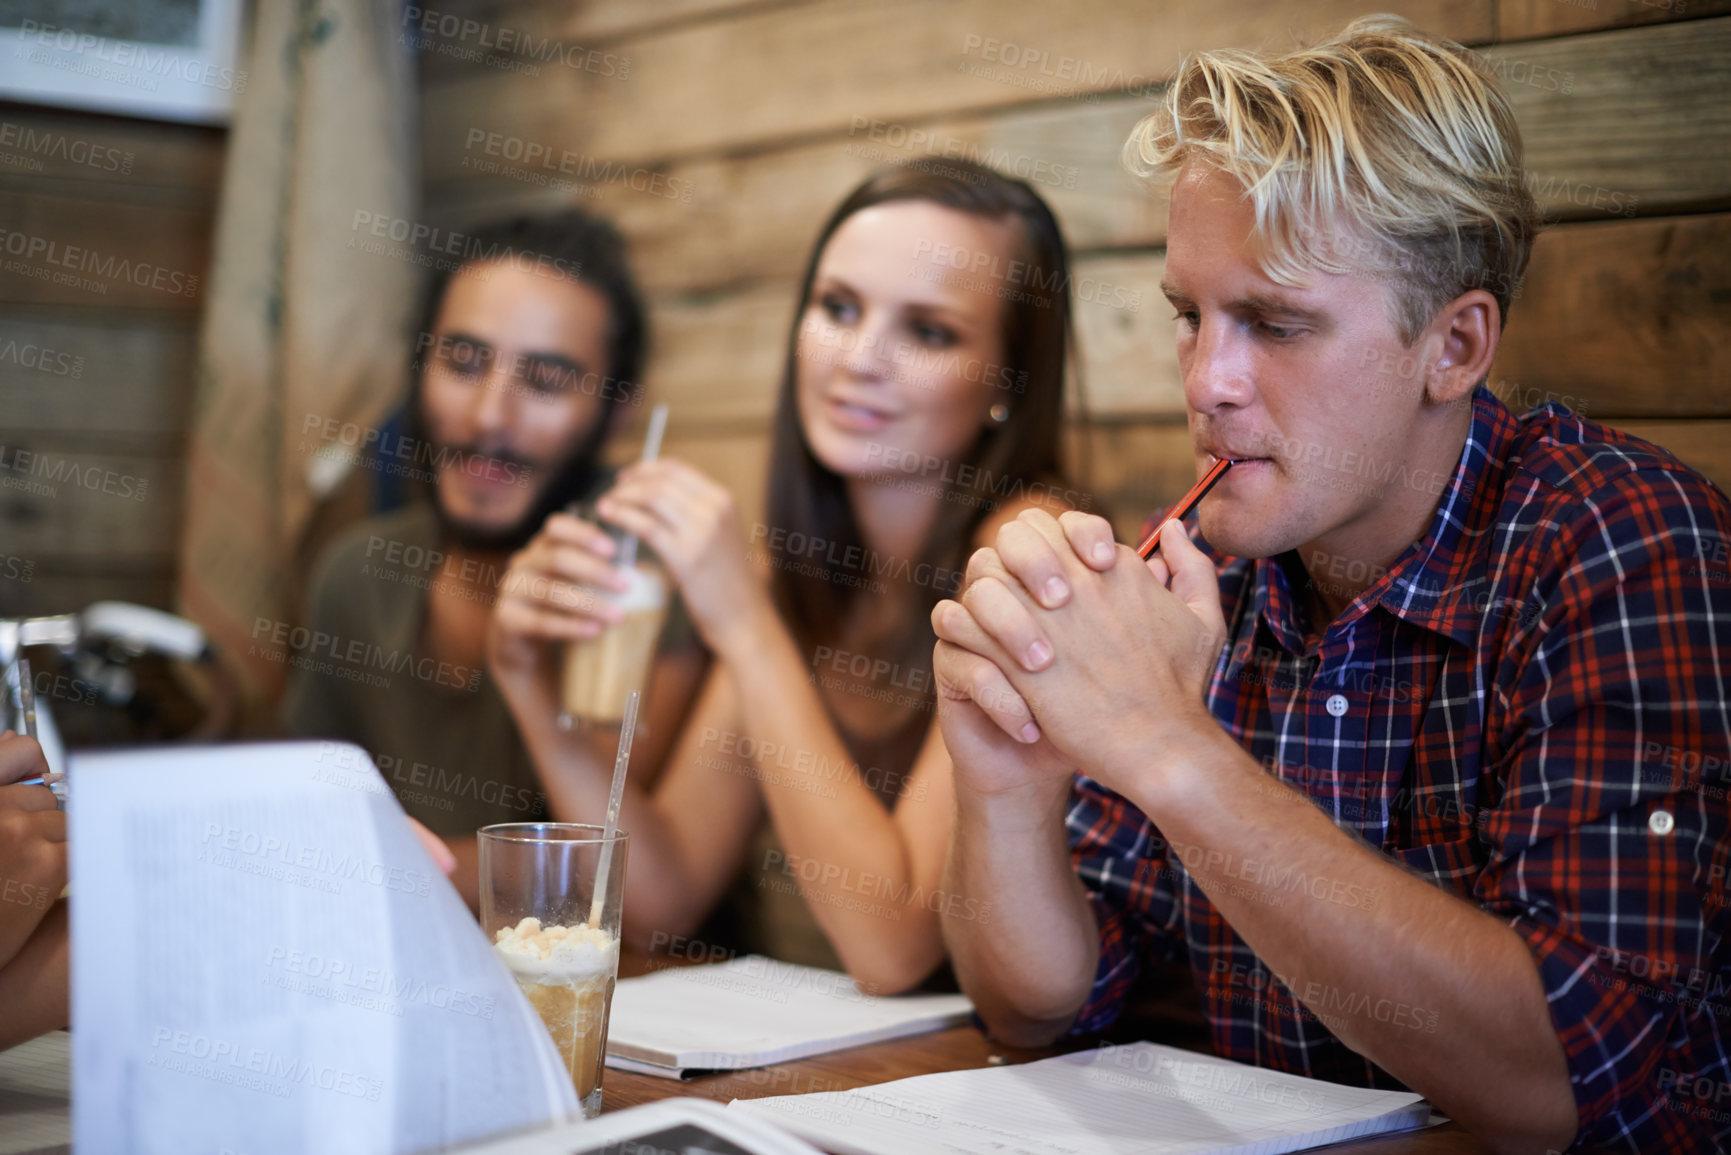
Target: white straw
(651, 450)
(657, 427)
(614, 798)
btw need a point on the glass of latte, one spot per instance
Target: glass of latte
(600, 672)
(539, 908)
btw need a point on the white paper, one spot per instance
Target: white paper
(655, 1070)
(753, 1011)
(264, 959)
(1141, 1099)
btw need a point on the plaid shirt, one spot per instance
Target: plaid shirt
(1529, 709)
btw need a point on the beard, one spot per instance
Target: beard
(566, 480)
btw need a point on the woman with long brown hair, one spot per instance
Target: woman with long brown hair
(919, 410)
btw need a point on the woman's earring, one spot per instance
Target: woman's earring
(999, 412)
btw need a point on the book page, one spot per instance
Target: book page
(751, 1011)
(265, 959)
(1140, 1099)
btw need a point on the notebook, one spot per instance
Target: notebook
(1140, 1099)
(753, 1011)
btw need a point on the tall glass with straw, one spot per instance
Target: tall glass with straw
(551, 900)
(601, 672)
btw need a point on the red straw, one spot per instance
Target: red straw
(1182, 509)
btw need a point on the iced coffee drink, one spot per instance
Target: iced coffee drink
(550, 902)
(567, 974)
(601, 672)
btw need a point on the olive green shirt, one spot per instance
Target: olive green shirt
(440, 734)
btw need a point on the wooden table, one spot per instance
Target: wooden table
(959, 1048)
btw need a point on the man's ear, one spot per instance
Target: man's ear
(1470, 326)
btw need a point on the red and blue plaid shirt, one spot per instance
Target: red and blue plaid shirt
(1529, 709)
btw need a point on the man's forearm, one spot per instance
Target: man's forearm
(1441, 995)
(1030, 966)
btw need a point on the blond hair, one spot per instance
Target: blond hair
(1384, 150)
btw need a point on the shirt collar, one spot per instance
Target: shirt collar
(1433, 582)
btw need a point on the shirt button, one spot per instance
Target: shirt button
(1336, 705)
(1660, 822)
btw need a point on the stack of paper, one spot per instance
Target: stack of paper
(1142, 1099)
(754, 1011)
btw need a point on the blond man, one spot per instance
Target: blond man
(1416, 744)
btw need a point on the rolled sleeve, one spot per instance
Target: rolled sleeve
(1121, 860)
(1637, 1001)
(1609, 845)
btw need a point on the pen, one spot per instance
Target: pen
(54, 782)
(1186, 504)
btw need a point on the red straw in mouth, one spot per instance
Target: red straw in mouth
(1189, 502)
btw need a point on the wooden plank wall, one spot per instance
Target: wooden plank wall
(719, 133)
(105, 227)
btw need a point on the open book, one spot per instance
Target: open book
(1141, 1099)
(753, 1011)
(266, 960)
